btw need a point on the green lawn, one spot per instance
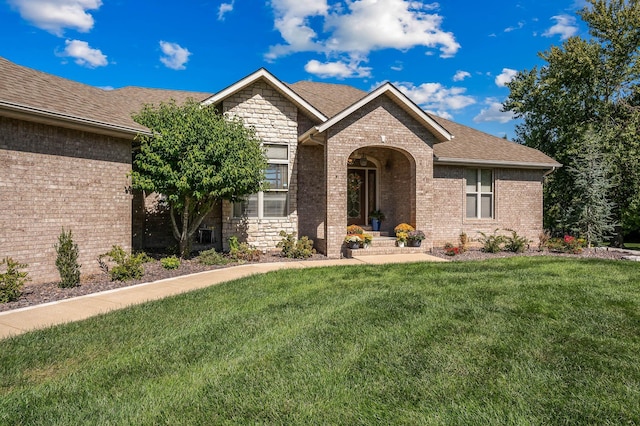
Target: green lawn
(511, 341)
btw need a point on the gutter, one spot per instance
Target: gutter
(506, 164)
(25, 112)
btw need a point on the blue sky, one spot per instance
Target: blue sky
(451, 57)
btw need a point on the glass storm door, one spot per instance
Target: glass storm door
(361, 195)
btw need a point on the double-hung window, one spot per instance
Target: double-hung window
(479, 191)
(273, 201)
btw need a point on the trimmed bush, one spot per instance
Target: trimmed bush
(296, 248)
(128, 266)
(67, 260)
(171, 262)
(242, 251)
(212, 257)
(12, 280)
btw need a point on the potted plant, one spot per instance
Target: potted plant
(376, 218)
(353, 241)
(401, 238)
(403, 227)
(414, 238)
(366, 240)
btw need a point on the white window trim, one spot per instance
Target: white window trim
(260, 194)
(479, 193)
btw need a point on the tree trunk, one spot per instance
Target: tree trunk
(192, 217)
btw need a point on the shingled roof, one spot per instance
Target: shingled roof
(468, 146)
(27, 91)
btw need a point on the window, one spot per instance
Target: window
(273, 201)
(479, 193)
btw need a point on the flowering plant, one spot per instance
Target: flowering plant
(404, 227)
(416, 235)
(451, 250)
(567, 244)
(401, 237)
(354, 229)
(352, 239)
(367, 238)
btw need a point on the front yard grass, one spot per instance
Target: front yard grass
(527, 340)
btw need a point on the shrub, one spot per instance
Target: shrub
(171, 262)
(354, 229)
(12, 280)
(403, 227)
(212, 257)
(128, 266)
(242, 251)
(67, 260)
(491, 243)
(515, 243)
(567, 244)
(543, 240)
(295, 248)
(464, 242)
(451, 250)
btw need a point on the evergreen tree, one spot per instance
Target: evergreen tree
(591, 210)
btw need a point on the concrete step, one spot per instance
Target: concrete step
(377, 250)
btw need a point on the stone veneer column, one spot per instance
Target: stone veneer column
(274, 118)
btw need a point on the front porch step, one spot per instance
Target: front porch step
(376, 250)
(383, 245)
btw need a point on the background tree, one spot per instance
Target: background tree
(195, 157)
(587, 84)
(591, 211)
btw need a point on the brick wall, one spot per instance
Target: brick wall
(406, 172)
(275, 120)
(51, 178)
(518, 204)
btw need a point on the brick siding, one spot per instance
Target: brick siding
(517, 203)
(51, 178)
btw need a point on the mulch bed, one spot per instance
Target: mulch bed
(35, 294)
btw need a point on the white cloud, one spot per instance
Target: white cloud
(224, 9)
(359, 27)
(493, 112)
(176, 56)
(461, 75)
(83, 54)
(519, 26)
(505, 77)
(565, 27)
(434, 97)
(56, 15)
(336, 69)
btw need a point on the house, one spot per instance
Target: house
(335, 153)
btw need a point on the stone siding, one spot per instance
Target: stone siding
(517, 203)
(274, 119)
(52, 178)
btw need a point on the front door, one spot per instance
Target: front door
(361, 195)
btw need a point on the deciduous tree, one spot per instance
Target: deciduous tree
(195, 156)
(587, 84)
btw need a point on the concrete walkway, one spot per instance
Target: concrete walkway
(22, 320)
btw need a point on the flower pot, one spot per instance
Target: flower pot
(414, 243)
(400, 243)
(375, 224)
(354, 245)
